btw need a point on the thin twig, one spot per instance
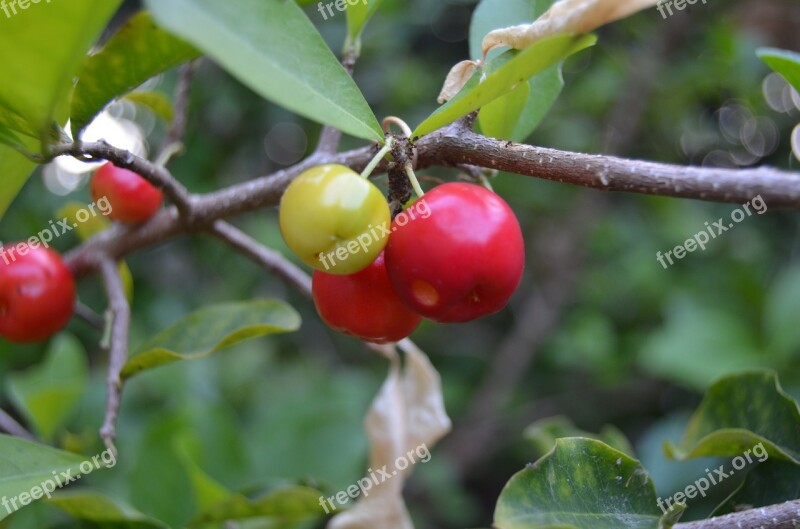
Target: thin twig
(330, 137)
(173, 142)
(780, 516)
(89, 316)
(120, 316)
(157, 175)
(270, 259)
(9, 425)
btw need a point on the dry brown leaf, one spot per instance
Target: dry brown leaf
(407, 414)
(564, 17)
(456, 79)
(570, 17)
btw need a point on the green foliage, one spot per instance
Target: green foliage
(270, 46)
(581, 484)
(96, 510)
(358, 15)
(24, 465)
(47, 393)
(543, 435)
(785, 62)
(520, 67)
(515, 115)
(15, 169)
(155, 101)
(213, 329)
(138, 51)
(739, 412)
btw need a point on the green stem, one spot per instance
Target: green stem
(414, 182)
(377, 159)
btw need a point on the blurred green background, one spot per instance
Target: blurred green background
(598, 332)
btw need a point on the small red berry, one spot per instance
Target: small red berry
(363, 304)
(37, 293)
(132, 198)
(457, 254)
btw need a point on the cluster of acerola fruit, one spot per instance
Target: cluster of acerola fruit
(37, 289)
(461, 261)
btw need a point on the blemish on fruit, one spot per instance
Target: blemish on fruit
(425, 293)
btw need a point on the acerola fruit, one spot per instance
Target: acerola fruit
(363, 305)
(37, 293)
(462, 260)
(132, 198)
(334, 220)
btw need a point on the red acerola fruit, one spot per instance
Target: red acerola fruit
(457, 254)
(37, 293)
(363, 304)
(132, 198)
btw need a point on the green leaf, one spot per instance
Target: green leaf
(47, 393)
(212, 329)
(137, 52)
(358, 15)
(523, 66)
(97, 509)
(25, 465)
(770, 483)
(272, 47)
(283, 506)
(159, 103)
(785, 62)
(583, 484)
(15, 169)
(543, 435)
(515, 115)
(46, 45)
(739, 412)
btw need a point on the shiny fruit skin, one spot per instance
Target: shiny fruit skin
(334, 220)
(363, 305)
(37, 293)
(133, 199)
(463, 260)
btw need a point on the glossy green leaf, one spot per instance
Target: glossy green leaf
(358, 14)
(582, 484)
(157, 102)
(739, 412)
(515, 115)
(101, 511)
(46, 44)
(272, 47)
(543, 435)
(770, 483)
(283, 506)
(137, 52)
(25, 465)
(523, 66)
(207, 491)
(15, 169)
(212, 329)
(47, 393)
(785, 62)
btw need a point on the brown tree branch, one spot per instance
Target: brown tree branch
(120, 316)
(10, 425)
(183, 91)
(451, 146)
(781, 516)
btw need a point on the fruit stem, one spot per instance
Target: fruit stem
(484, 181)
(414, 182)
(377, 159)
